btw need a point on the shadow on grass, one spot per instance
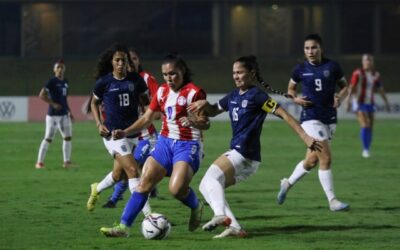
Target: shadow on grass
(294, 229)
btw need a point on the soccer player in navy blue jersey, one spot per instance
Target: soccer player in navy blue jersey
(319, 77)
(248, 106)
(119, 91)
(55, 93)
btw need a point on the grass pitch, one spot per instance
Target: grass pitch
(46, 209)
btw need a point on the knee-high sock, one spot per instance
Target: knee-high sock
(229, 213)
(212, 187)
(43, 150)
(364, 138)
(326, 179)
(133, 208)
(119, 188)
(369, 137)
(191, 199)
(133, 183)
(67, 145)
(107, 182)
(298, 173)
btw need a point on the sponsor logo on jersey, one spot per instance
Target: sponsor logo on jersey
(233, 102)
(181, 101)
(244, 103)
(308, 74)
(114, 89)
(327, 73)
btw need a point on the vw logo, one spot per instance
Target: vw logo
(7, 109)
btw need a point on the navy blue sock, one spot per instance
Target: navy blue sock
(364, 137)
(133, 208)
(369, 137)
(119, 189)
(191, 200)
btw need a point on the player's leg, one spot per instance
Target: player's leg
(141, 153)
(48, 138)
(119, 188)
(152, 174)
(365, 131)
(65, 128)
(186, 162)
(371, 118)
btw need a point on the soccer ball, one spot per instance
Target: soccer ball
(155, 227)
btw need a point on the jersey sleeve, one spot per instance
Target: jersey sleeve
(141, 86)
(200, 95)
(48, 86)
(99, 89)
(337, 71)
(266, 103)
(296, 74)
(152, 85)
(355, 77)
(224, 102)
(154, 104)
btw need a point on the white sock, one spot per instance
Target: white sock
(212, 187)
(228, 212)
(107, 182)
(43, 150)
(326, 179)
(67, 150)
(298, 173)
(133, 183)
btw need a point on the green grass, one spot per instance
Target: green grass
(46, 209)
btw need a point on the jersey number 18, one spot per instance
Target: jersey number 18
(123, 99)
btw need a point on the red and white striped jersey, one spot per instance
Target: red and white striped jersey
(365, 83)
(173, 106)
(152, 86)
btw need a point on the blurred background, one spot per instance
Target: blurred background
(210, 34)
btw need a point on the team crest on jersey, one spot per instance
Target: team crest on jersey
(327, 73)
(244, 103)
(181, 101)
(131, 87)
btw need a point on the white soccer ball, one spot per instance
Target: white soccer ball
(155, 227)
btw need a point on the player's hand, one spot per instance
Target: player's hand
(303, 101)
(118, 134)
(103, 130)
(197, 106)
(185, 121)
(71, 117)
(56, 106)
(313, 144)
(337, 101)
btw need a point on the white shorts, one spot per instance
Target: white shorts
(61, 122)
(123, 146)
(243, 167)
(319, 130)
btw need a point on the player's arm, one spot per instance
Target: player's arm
(43, 95)
(143, 122)
(197, 120)
(384, 97)
(343, 92)
(208, 109)
(311, 143)
(292, 86)
(95, 105)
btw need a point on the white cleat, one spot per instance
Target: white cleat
(365, 153)
(231, 231)
(285, 186)
(220, 220)
(336, 206)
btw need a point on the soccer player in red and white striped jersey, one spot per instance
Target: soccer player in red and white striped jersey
(365, 81)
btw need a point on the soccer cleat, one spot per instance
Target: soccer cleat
(109, 204)
(94, 196)
(195, 217)
(231, 231)
(120, 230)
(365, 153)
(69, 164)
(39, 165)
(285, 186)
(336, 206)
(220, 220)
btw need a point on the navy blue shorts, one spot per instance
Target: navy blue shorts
(369, 108)
(169, 151)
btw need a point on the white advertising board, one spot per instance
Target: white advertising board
(13, 109)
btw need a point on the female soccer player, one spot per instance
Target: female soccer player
(119, 93)
(365, 81)
(147, 137)
(178, 150)
(319, 77)
(248, 106)
(55, 93)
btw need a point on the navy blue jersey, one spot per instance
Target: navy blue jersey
(318, 85)
(57, 91)
(247, 117)
(120, 99)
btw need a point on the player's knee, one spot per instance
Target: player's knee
(68, 138)
(310, 163)
(213, 175)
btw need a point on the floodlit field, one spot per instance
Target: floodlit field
(46, 209)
